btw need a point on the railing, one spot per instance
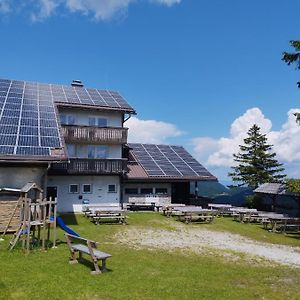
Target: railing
(90, 166)
(103, 135)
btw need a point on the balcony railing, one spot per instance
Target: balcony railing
(90, 166)
(103, 135)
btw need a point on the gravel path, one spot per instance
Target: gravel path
(199, 241)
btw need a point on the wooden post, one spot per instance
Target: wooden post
(54, 222)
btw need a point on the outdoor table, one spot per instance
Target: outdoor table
(188, 213)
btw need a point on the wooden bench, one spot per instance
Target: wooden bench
(109, 217)
(84, 246)
(188, 218)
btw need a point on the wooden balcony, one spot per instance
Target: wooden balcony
(87, 166)
(94, 135)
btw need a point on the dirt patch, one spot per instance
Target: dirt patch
(199, 241)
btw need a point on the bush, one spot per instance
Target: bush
(254, 201)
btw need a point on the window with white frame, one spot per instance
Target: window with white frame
(97, 151)
(112, 188)
(71, 149)
(71, 120)
(74, 188)
(87, 188)
(63, 119)
(97, 121)
(66, 119)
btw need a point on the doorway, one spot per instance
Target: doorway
(51, 192)
(181, 192)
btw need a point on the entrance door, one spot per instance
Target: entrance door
(51, 192)
(180, 192)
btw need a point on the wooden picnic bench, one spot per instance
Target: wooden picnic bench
(189, 217)
(109, 216)
(142, 206)
(83, 246)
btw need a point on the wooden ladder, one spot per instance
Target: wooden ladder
(16, 237)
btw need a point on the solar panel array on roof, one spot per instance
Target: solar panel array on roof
(170, 161)
(28, 120)
(28, 123)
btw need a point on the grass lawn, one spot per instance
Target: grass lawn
(145, 274)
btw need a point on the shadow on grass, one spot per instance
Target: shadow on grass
(84, 261)
(69, 219)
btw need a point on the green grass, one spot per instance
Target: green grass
(145, 274)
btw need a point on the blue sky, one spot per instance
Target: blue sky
(191, 67)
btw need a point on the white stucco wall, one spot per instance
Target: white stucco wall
(17, 177)
(114, 119)
(68, 202)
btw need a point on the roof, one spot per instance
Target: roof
(29, 122)
(164, 162)
(272, 188)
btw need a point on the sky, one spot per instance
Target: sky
(198, 72)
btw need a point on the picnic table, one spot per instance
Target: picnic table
(282, 224)
(195, 213)
(242, 214)
(223, 209)
(136, 206)
(168, 209)
(101, 214)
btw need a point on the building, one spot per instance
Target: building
(71, 140)
(162, 173)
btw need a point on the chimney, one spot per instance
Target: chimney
(77, 83)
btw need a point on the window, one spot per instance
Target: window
(97, 151)
(86, 188)
(71, 149)
(74, 188)
(146, 191)
(161, 191)
(71, 120)
(92, 121)
(112, 188)
(97, 121)
(131, 191)
(67, 119)
(102, 122)
(63, 119)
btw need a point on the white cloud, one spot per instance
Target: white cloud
(166, 2)
(98, 9)
(4, 6)
(286, 141)
(46, 9)
(150, 131)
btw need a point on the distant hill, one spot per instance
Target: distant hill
(221, 194)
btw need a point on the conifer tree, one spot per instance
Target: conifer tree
(256, 164)
(293, 58)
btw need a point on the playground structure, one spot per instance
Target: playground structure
(36, 217)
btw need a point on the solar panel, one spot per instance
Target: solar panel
(28, 117)
(168, 161)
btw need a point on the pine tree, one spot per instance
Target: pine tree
(255, 162)
(293, 58)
